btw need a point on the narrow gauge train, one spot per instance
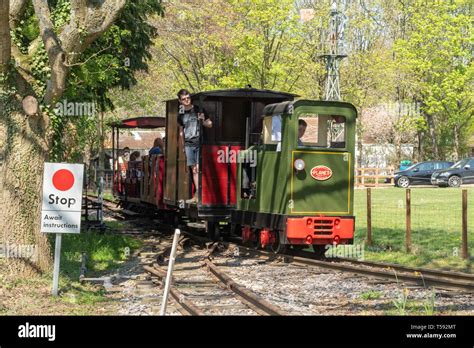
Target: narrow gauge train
(276, 171)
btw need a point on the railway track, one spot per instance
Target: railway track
(200, 287)
(419, 276)
(216, 293)
(113, 210)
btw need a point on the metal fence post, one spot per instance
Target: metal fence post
(169, 274)
(369, 217)
(57, 261)
(464, 249)
(408, 221)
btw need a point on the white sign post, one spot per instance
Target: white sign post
(62, 205)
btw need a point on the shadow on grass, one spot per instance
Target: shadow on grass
(434, 248)
(104, 253)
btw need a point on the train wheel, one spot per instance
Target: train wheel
(212, 230)
(319, 250)
(255, 242)
(277, 247)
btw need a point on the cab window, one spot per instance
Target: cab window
(272, 129)
(328, 131)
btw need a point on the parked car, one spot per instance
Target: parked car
(419, 173)
(460, 173)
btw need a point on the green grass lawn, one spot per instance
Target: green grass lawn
(105, 254)
(436, 226)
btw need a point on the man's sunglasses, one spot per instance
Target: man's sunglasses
(185, 98)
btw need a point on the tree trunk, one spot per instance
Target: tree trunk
(421, 154)
(457, 149)
(25, 140)
(24, 151)
(360, 139)
(5, 41)
(434, 138)
(398, 149)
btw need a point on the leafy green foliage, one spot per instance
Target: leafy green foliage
(436, 61)
(254, 43)
(111, 61)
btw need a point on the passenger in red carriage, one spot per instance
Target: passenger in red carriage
(135, 156)
(157, 148)
(189, 121)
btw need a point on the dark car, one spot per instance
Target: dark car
(460, 173)
(419, 174)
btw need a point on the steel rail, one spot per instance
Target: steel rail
(443, 279)
(242, 291)
(400, 268)
(176, 294)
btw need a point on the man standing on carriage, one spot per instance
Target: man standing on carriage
(189, 119)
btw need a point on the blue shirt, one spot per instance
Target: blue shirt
(155, 151)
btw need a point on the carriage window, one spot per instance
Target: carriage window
(327, 131)
(272, 129)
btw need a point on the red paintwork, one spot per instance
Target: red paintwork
(321, 173)
(247, 234)
(320, 229)
(267, 237)
(158, 179)
(214, 176)
(120, 172)
(134, 175)
(142, 122)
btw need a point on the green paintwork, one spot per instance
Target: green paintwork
(277, 181)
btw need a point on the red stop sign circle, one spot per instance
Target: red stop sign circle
(63, 180)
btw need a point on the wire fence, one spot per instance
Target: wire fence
(420, 221)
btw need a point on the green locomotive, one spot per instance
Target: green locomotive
(300, 189)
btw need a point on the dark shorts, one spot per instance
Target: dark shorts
(192, 155)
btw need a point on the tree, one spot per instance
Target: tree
(229, 44)
(435, 59)
(61, 38)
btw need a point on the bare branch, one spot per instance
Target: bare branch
(180, 65)
(92, 56)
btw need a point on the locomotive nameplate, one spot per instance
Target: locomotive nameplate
(321, 173)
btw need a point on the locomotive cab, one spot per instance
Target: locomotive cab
(235, 115)
(301, 191)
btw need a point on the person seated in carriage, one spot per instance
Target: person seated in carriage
(157, 148)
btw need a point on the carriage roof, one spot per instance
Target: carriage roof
(252, 93)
